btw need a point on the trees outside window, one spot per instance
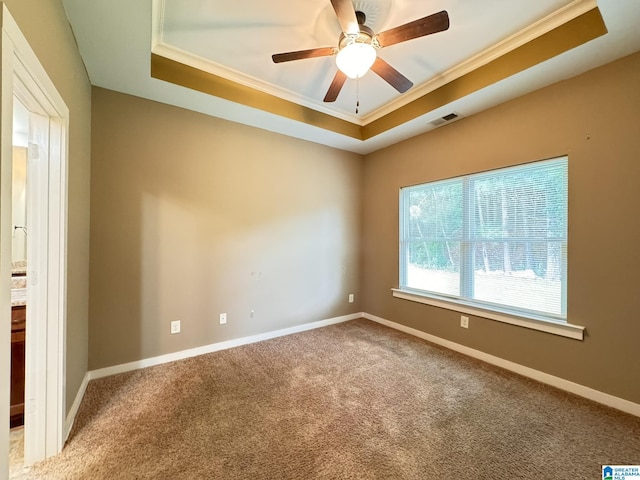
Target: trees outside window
(496, 239)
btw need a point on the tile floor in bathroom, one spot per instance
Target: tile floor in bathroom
(17, 470)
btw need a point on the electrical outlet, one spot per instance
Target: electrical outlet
(223, 318)
(351, 297)
(464, 322)
(175, 327)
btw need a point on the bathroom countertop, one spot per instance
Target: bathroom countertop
(18, 297)
(19, 267)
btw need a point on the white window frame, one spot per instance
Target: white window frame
(548, 323)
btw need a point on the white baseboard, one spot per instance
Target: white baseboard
(71, 416)
(214, 347)
(171, 357)
(561, 383)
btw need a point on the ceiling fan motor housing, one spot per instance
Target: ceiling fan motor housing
(366, 36)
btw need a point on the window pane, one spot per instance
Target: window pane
(434, 211)
(529, 202)
(524, 275)
(496, 237)
(433, 215)
(434, 267)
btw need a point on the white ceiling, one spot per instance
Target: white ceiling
(236, 40)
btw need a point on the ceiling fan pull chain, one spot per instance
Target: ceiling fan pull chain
(357, 94)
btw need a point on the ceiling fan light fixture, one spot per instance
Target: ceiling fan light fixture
(357, 45)
(355, 59)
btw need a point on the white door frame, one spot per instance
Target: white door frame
(23, 76)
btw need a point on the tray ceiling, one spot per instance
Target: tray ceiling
(215, 57)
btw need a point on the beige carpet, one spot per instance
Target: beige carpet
(350, 401)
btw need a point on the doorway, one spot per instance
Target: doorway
(23, 78)
(18, 261)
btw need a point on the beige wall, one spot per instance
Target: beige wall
(593, 118)
(192, 216)
(46, 28)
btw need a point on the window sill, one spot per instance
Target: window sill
(564, 329)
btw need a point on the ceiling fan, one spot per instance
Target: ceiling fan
(357, 45)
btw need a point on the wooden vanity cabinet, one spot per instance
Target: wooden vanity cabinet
(18, 323)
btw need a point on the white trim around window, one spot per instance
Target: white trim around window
(544, 325)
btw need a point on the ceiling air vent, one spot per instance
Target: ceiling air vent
(446, 119)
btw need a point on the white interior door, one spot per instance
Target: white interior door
(36, 345)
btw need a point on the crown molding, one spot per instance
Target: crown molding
(208, 66)
(558, 18)
(163, 49)
(571, 26)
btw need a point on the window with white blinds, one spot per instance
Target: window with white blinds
(496, 240)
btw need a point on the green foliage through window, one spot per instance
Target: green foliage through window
(496, 238)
